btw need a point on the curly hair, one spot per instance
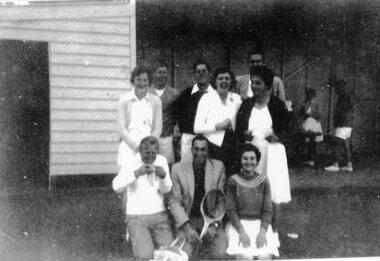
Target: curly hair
(222, 70)
(265, 73)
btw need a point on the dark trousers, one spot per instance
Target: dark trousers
(214, 249)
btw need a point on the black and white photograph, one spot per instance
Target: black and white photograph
(177, 130)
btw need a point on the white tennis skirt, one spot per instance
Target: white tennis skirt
(274, 164)
(252, 227)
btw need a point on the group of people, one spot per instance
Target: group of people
(231, 131)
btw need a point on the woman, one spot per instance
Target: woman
(262, 120)
(216, 117)
(139, 115)
(249, 211)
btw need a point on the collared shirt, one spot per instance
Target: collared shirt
(186, 107)
(140, 113)
(145, 193)
(212, 111)
(168, 96)
(196, 88)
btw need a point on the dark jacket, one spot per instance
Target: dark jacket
(343, 113)
(185, 109)
(277, 109)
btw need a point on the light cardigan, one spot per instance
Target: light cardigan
(139, 118)
(212, 111)
(145, 193)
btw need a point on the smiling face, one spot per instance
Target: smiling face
(223, 82)
(148, 153)
(141, 81)
(248, 161)
(200, 151)
(160, 76)
(202, 75)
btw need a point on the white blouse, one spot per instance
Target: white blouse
(260, 123)
(212, 111)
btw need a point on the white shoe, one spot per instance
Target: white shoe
(332, 168)
(347, 168)
(309, 162)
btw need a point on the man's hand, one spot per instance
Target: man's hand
(210, 232)
(191, 235)
(143, 170)
(261, 239)
(160, 172)
(244, 238)
(224, 125)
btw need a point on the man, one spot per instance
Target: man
(167, 95)
(146, 179)
(343, 123)
(187, 103)
(243, 84)
(191, 181)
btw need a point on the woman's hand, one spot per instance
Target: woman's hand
(261, 239)
(272, 138)
(224, 125)
(248, 135)
(244, 238)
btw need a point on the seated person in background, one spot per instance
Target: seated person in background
(343, 123)
(145, 179)
(249, 211)
(191, 181)
(311, 126)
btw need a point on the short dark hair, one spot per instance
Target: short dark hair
(259, 51)
(159, 63)
(148, 141)
(199, 137)
(141, 69)
(264, 72)
(199, 62)
(311, 93)
(222, 70)
(250, 147)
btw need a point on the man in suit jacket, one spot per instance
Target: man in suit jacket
(167, 95)
(191, 181)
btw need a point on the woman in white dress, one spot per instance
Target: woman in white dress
(139, 115)
(262, 120)
(216, 119)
